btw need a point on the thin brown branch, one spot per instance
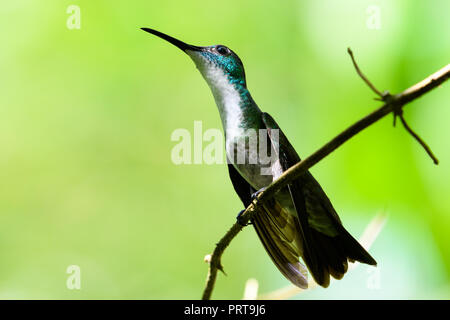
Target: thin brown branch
(214, 261)
(419, 139)
(371, 86)
(392, 103)
(398, 112)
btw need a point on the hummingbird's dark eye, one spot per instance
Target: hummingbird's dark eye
(223, 50)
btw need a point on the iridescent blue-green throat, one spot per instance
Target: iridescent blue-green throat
(224, 72)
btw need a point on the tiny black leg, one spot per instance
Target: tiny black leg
(239, 219)
(255, 195)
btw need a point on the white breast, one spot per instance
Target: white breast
(228, 101)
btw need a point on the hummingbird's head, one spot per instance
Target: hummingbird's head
(217, 64)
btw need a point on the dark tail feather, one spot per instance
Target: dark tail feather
(355, 251)
(328, 255)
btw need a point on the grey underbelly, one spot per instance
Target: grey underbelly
(257, 172)
(261, 174)
(253, 174)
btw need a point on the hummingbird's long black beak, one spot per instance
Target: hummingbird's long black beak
(180, 44)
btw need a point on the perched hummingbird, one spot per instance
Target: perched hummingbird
(299, 221)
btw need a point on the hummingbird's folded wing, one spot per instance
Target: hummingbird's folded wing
(326, 244)
(279, 233)
(277, 230)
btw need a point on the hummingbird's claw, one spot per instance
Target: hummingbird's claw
(239, 216)
(240, 220)
(256, 194)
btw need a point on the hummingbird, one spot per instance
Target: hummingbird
(299, 221)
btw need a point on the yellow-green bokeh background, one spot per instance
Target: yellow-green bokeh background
(86, 115)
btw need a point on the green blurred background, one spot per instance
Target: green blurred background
(86, 116)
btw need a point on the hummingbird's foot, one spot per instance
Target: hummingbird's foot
(256, 194)
(240, 220)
